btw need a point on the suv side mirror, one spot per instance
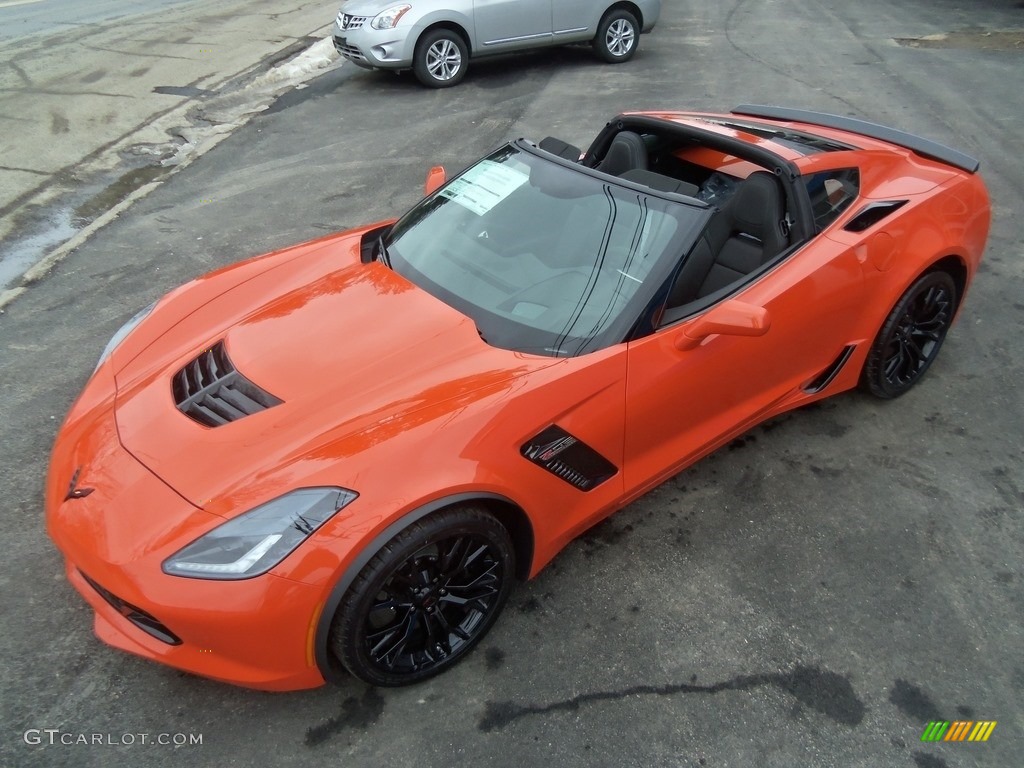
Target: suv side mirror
(435, 178)
(730, 318)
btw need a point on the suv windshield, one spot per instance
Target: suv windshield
(545, 257)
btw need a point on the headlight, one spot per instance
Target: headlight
(389, 18)
(256, 541)
(125, 329)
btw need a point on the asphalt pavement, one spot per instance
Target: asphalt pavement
(105, 97)
(811, 595)
(21, 18)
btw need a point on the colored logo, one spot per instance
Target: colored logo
(958, 730)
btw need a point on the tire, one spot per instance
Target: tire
(441, 59)
(911, 336)
(618, 36)
(425, 599)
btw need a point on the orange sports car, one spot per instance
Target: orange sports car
(340, 456)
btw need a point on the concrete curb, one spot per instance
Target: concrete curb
(41, 268)
(6, 297)
(45, 265)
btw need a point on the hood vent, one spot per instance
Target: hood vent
(210, 391)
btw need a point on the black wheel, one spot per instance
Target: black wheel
(425, 599)
(911, 336)
(441, 59)
(618, 35)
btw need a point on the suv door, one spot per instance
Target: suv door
(575, 19)
(512, 24)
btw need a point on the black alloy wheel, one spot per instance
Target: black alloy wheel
(911, 336)
(425, 599)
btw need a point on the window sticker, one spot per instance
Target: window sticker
(484, 186)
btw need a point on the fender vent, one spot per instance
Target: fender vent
(210, 391)
(564, 456)
(873, 213)
(825, 378)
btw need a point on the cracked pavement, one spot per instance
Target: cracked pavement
(80, 106)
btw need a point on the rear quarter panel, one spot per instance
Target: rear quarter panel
(572, 14)
(951, 219)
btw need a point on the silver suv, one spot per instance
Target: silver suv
(436, 39)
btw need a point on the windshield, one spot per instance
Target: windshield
(546, 258)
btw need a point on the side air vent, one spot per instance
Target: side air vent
(564, 456)
(144, 621)
(873, 213)
(825, 378)
(210, 391)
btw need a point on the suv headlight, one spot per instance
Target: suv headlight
(389, 18)
(256, 541)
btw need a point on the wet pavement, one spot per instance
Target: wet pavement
(108, 96)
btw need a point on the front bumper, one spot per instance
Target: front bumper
(376, 48)
(115, 528)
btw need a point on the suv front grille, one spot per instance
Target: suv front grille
(349, 51)
(347, 21)
(211, 391)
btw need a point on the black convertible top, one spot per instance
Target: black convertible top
(923, 147)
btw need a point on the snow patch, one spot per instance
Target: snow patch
(310, 62)
(216, 117)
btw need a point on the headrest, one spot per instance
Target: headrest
(561, 148)
(626, 152)
(756, 208)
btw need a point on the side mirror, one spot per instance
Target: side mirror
(730, 318)
(435, 178)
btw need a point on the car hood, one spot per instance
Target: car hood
(352, 352)
(366, 7)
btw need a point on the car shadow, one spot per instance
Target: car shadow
(491, 72)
